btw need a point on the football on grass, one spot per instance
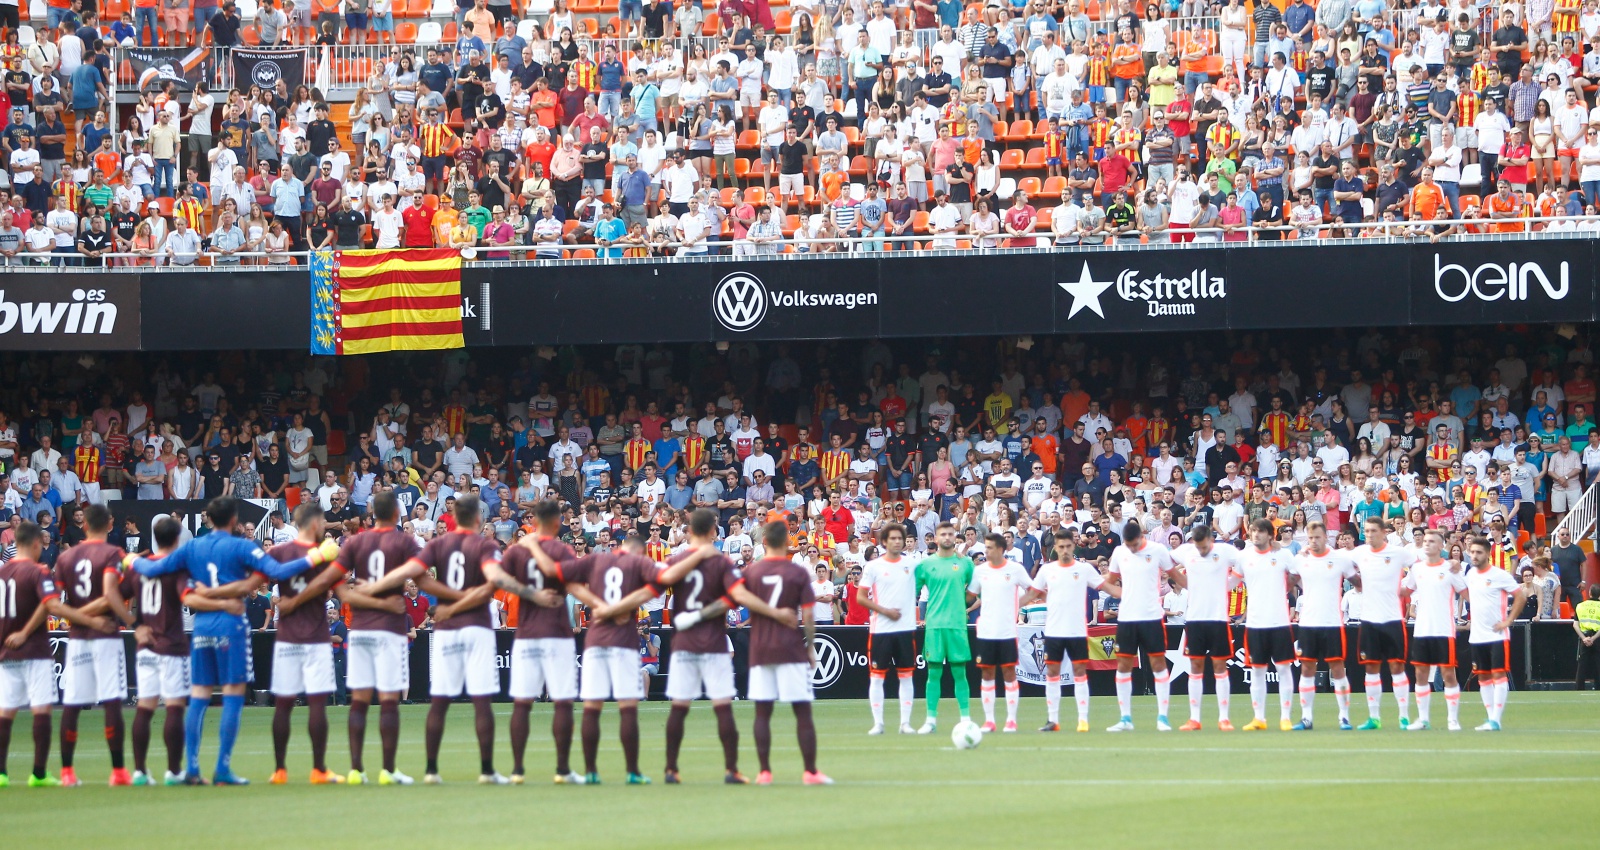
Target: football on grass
(966, 735)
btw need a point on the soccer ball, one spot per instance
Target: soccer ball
(966, 735)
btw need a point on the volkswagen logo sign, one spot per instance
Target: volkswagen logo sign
(830, 660)
(266, 73)
(740, 301)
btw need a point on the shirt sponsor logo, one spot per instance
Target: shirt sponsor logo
(1492, 281)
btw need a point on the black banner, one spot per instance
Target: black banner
(141, 513)
(264, 68)
(70, 312)
(228, 310)
(154, 67)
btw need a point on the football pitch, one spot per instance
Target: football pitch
(1529, 786)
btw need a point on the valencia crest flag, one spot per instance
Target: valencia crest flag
(364, 302)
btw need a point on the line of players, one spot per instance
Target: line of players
(1387, 574)
(211, 574)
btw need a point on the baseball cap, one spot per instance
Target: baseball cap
(1091, 528)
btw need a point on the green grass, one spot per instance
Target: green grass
(1523, 787)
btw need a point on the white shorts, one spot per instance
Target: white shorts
(92, 494)
(544, 664)
(302, 668)
(691, 672)
(611, 671)
(164, 677)
(997, 88)
(463, 659)
(96, 671)
(377, 660)
(781, 683)
(29, 683)
(1563, 499)
(791, 184)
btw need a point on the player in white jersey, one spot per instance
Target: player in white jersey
(1382, 565)
(1322, 573)
(1137, 567)
(1268, 639)
(1433, 584)
(997, 584)
(1211, 571)
(1496, 599)
(1064, 585)
(889, 590)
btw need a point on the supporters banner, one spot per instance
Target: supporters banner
(264, 68)
(134, 517)
(154, 67)
(366, 302)
(1030, 653)
(69, 312)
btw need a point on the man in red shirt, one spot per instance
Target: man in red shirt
(1114, 168)
(854, 615)
(1020, 221)
(418, 221)
(837, 518)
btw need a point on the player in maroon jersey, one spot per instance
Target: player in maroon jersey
(27, 670)
(463, 649)
(162, 657)
(781, 658)
(377, 658)
(543, 655)
(96, 669)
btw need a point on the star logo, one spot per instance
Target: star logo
(1085, 292)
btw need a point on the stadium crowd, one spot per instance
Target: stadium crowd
(1484, 432)
(677, 129)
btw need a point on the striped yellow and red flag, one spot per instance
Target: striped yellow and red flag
(364, 302)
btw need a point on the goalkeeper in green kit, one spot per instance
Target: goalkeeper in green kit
(946, 576)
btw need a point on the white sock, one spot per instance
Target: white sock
(1402, 694)
(1080, 692)
(908, 698)
(986, 688)
(1374, 694)
(1125, 694)
(875, 699)
(1013, 692)
(1341, 694)
(1286, 692)
(1501, 691)
(1424, 699)
(1163, 692)
(1487, 692)
(1052, 698)
(1197, 691)
(1452, 702)
(1224, 697)
(1308, 697)
(1258, 692)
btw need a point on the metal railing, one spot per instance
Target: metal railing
(1580, 519)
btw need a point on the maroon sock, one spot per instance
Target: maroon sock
(561, 731)
(389, 730)
(729, 733)
(116, 731)
(282, 708)
(591, 739)
(519, 734)
(69, 734)
(483, 720)
(806, 732)
(629, 732)
(41, 743)
(761, 730)
(5, 740)
(358, 733)
(317, 726)
(675, 718)
(434, 734)
(142, 718)
(172, 737)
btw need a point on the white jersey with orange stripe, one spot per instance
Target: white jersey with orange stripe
(1210, 577)
(1433, 590)
(1322, 587)
(1266, 584)
(1381, 571)
(1489, 593)
(999, 588)
(1140, 573)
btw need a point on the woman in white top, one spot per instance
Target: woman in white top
(984, 226)
(986, 178)
(403, 82)
(276, 243)
(1235, 21)
(872, 130)
(887, 152)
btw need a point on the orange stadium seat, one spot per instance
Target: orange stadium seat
(1011, 158)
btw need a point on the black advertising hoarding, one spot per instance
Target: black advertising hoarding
(1162, 290)
(157, 66)
(227, 309)
(40, 311)
(1289, 286)
(967, 294)
(1474, 283)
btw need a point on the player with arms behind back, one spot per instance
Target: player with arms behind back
(888, 589)
(1322, 573)
(1211, 571)
(998, 587)
(378, 658)
(1496, 599)
(1268, 639)
(781, 657)
(1064, 585)
(1433, 585)
(945, 575)
(1137, 567)
(1383, 625)
(96, 670)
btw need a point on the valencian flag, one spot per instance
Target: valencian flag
(363, 302)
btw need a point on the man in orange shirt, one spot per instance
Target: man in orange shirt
(445, 219)
(1045, 446)
(1427, 197)
(1074, 403)
(1505, 208)
(1138, 428)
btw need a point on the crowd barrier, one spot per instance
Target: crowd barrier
(1248, 286)
(1542, 654)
